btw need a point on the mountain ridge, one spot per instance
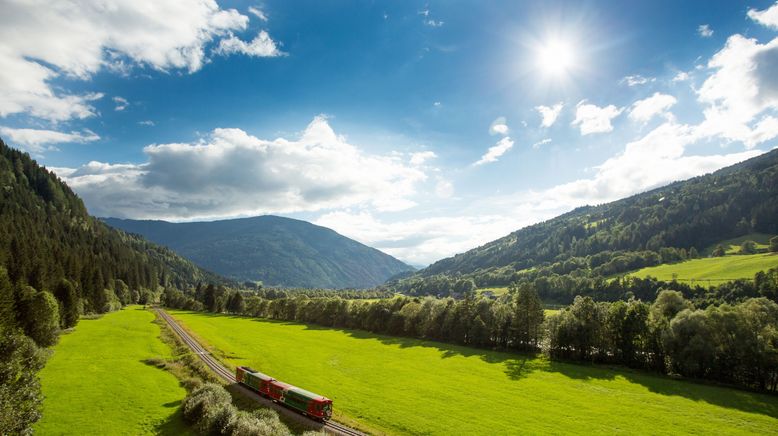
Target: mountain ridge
(278, 251)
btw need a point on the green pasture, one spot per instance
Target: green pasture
(732, 246)
(96, 382)
(712, 270)
(397, 385)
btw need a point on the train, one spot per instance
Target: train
(310, 404)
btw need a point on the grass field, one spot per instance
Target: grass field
(715, 269)
(398, 385)
(97, 383)
(732, 246)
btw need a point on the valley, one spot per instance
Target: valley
(399, 385)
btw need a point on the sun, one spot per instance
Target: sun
(556, 57)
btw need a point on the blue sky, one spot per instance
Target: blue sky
(420, 128)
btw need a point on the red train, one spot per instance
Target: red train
(308, 403)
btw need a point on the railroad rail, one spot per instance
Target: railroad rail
(226, 374)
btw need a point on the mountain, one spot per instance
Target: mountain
(659, 226)
(278, 251)
(47, 236)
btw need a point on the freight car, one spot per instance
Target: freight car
(308, 403)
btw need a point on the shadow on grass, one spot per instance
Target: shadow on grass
(174, 424)
(518, 366)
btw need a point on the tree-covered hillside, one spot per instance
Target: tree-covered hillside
(277, 251)
(664, 225)
(57, 263)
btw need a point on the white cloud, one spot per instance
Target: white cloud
(146, 123)
(420, 241)
(704, 30)
(36, 140)
(539, 144)
(76, 39)
(682, 76)
(444, 188)
(767, 17)
(121, 103)
(652, 161)
(232, 173)
(437, 104)
(257, 12)
(261, 46)
(494, 152)
(434, 23)
(499, 126)
(549, 114)
(743, 86)
(420, 157)
(594, 119)
(637, 79)
(646, 109)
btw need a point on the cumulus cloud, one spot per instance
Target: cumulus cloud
(743, 86)
(682, 76)
(444, 188)
(420, 157)
(420, 241)
(637, 79)
(652, 161)
(594, 119)
(261, 46)
(497, 150)
(121, 103)
(499, 126)
(658, 104)
(76, 39)
(704, 30)
(549, 114)
(767, 17)
(233, 173)
(37, 141)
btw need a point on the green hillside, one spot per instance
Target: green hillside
(712, 271)
(96, 384)
(277, 251)
(399, 386)
(666, 225)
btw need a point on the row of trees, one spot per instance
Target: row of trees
(735, 344)
(730, 343)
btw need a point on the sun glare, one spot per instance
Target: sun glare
(556, 57)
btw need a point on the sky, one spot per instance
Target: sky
(423, 129)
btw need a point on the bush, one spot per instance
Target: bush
(209, 408)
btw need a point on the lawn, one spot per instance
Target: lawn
(398, 385)
(732, 246)
(715, 269)
(96, 382)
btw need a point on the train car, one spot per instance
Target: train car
(254, 379)
(313, 405)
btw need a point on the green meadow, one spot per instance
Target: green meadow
(395, 385)
(715, 269)
(96, 382)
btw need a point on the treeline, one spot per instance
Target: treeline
(730, 343)
(562, 288)
(686, 215)
(57, 263)
(735, 344)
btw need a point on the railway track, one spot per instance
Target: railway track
(227, 375)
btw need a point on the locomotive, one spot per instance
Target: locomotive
(310, 404)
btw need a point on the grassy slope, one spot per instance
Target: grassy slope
(714, 268)
(96, 381)
(732, 246)
(410, 386)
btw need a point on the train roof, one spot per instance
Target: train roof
(308, 394)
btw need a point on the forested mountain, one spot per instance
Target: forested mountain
(667, 224)
(277, 251)
(57, 263)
